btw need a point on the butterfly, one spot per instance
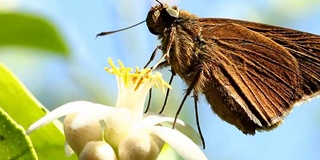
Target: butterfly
(251, 74)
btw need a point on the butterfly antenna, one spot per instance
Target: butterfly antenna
(159, 3)
(115, 31)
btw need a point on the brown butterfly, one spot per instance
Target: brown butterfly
(252, 74)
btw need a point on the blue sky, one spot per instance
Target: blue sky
(79, 22)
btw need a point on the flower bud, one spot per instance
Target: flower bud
(77, 138)
(140, 146)
(97, 150)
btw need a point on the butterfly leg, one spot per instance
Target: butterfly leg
(188, 91)
(195, 98)
(168, 91)
(152, 56)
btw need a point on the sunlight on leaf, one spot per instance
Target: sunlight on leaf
(14, 144)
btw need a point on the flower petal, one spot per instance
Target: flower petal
(91, 113)
(72, 107)
(154, 119)
(178, 141)
(120, 121)
(151, 119)
(190, 133)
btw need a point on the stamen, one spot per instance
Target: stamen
(137, 78)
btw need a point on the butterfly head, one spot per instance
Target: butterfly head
(161, 17)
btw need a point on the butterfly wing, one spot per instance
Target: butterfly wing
(263, 75)
(305, 47)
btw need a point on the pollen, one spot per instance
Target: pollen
(138, 77)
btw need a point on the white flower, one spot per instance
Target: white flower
(123, 131)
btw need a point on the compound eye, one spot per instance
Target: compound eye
(153, 31)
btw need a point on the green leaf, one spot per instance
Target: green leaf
(25, 30)
(14, 144)
(21, 106)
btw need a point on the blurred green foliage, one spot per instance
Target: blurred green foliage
(19, 109)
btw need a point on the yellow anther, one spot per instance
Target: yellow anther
(138, 77)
